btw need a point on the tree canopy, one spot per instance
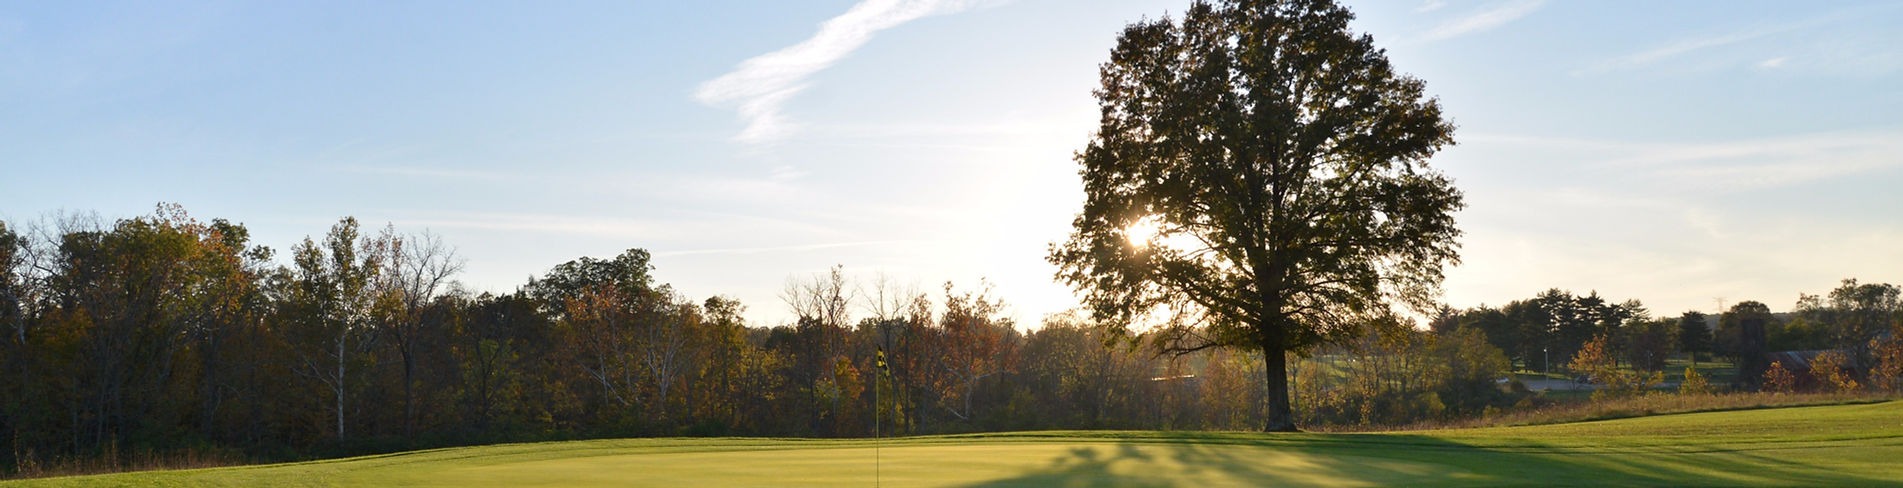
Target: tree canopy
(1259, 179)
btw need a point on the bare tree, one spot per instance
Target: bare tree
(887, 299)
(824, 300)
(419, 269)
(823, 307)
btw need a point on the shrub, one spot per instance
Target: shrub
(1831, 372)
(1694, 384)
(1888, 374)
(1779, 380)
(1594, 358)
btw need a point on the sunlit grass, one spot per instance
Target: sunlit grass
(1818, 446)
(1576, 407)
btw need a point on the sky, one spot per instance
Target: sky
(1685, 154)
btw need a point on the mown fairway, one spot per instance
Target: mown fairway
(1818, 446)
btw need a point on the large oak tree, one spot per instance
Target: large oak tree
(1259, 180)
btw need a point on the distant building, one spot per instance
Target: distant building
(1798, 363)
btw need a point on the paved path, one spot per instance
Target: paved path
(1553, 384)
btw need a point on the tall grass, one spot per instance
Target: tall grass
(31, 466)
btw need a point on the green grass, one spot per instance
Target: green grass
(1718, 372)
(1840, 445)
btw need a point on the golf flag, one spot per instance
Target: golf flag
(881, 363)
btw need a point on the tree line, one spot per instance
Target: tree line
(1855, 324)
(162, 333)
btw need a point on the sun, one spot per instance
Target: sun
(1141, 232)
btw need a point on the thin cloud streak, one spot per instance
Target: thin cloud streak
(1680, 48)
(1500, 15)
(425, 173)
(773, 249)
(1741, 165)
(759, 88)
(1684, 47)
(670, 228)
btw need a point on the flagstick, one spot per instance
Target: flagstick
(875, 428)
(876, 374)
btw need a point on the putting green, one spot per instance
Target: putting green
(1818, 446)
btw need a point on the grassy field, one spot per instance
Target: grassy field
(1845, 445)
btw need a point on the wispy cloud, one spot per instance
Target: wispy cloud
(1015, 125)
(1430, 6)
(424, 173)
(1498, 15)
(760, 87)
(1687, 46)
(1782, 161)
(513, 222)
(664, 229)
(774, 249)
(1739, 165)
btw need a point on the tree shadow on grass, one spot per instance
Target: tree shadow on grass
(1206, 459)
(1087, 466)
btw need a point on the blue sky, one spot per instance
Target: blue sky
(1680, 153)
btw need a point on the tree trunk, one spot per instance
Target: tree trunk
(208, 388)
(1281, 418)
(338, 388)
(409, 389)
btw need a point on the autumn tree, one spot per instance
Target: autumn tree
(630, 273)
(1501, 332)
(898, 326)
(1229, 390)
(1777, 379)
(977, 343)
(667, 345)
(1852, 314)
(23, 421)
(490, 346)
(1832, 370)
(1888, 373)
(1597, 359)
(329, 311)
(1087, 378)
(604, 309)
(13, 310)
(1472, 366)
(1262, 172)
(723, 363)
(227, 330)
(14, 299)
(595, 340)
(1694, 383)
(903, 323)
